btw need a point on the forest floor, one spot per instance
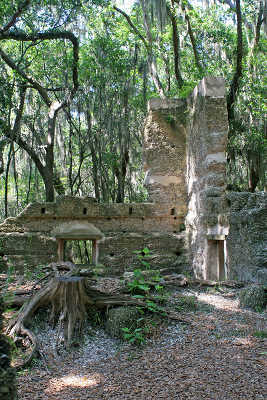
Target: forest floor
(219, 353)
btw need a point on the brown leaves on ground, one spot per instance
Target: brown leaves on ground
(216, 358)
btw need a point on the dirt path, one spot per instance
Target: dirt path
(217, 357)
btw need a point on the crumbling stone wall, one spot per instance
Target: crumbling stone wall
(247, 240)
(165, 152)
(206, 221)
(126, 228)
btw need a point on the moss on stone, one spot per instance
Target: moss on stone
(121, 317)
(7, 374)
(254, 297)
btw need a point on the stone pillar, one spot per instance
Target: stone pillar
(165, 151)
(60, 249)
(207, 217)
(94, 252)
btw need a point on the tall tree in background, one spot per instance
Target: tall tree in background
(42, 83)
(86, 139)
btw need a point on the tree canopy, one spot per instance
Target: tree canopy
(76, 76)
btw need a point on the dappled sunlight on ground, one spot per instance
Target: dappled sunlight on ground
(72, 380)
(219, 302)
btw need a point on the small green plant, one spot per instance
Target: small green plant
(154, 307)
(142, 256)
(136, 336)
(162, 297)
(138, 285)
(260, 334)
(39, 272)
(28, 273)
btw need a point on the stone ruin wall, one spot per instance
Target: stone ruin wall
(126, 227)
(207, 217)
(184, 160)
(247, 239)
(158, 224)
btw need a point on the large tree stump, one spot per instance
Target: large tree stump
(70, 296)
(69, 303)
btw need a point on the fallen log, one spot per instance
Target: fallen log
(203, 282)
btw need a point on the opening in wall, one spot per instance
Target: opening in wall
(79, 251)
(216, 258)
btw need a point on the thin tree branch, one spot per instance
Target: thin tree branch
(24, 37)
(233, 7)
(136, 31)
(34, 84)
(15, 16)
(13, 134)
(260, 20)
(193, 42)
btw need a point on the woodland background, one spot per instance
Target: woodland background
(76, 75)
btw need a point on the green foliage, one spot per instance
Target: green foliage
(142, 282)
(260, 334)
(31, 273)
(138, 333)
(136, 336)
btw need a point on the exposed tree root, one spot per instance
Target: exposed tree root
(69, 297)
(202, 282)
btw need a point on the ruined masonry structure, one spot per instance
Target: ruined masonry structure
(189, 219)
(247, 239)
(206, 219)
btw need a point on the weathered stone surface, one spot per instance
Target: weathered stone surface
(247, 240)
(211, 86)
(254, 297)
(30, 238)
(207, 208)
(167, 250)
(7, 374)
(81, 230)
(121, 317)
(164, 151)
